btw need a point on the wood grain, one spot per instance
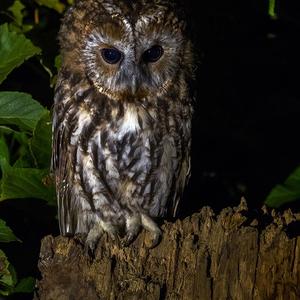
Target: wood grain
(237, 254)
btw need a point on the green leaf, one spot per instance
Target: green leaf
(287, 192)
(6, 234)
(271, 10)
(4, 152)
(40, 143)
(20, 109)
(25, 183)
(57, 62)
(6, 277)
(21, 157)
(55, 4)
(25, 285)
(13, 274)
(7, 130)
(15, 48)
(16, 10)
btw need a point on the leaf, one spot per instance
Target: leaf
(21, 156)
(40, 143)
(6, 277)
(55, 4)
(271, 9)
(25, 285)
(15, 48)
(19, 29)
(48, 70)
(20, 109)
(57, 62)
(7, 130)
(16, 10)
(4, 152)
(25, 183)
(287, 192)
(6, 234)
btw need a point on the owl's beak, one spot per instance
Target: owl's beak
(134, 85)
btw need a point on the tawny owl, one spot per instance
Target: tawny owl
(122, 117)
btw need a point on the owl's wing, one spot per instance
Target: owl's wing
(181, 182)
(61, 163)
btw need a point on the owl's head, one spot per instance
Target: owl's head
(127, 49)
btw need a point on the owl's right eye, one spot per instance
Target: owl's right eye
(111, 55)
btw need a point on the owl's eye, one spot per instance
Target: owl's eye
(153, 54)
(111, 55)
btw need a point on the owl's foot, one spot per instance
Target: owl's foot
(95, 234)
(133, 225)
(151, 226)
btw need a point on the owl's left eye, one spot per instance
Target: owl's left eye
(111, 55)
(153, 54)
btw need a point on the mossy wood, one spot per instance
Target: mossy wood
(235, 255)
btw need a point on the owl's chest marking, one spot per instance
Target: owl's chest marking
(123, 150)
(129, 123)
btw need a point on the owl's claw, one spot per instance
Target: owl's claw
(80, 238)
(95, 234)
(156, 238)
(125, 242)
(151, 226)
(128, 239)
(89, 248)
(133, 225)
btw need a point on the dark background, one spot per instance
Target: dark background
(246, 120)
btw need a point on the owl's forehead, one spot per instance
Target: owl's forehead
(135, 21)
(133, 9)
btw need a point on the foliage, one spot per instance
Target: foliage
(15, 48)
(287, 192)
(6, 234)
(271, 11)
(8, 277)
(25, 125)
(25, 138)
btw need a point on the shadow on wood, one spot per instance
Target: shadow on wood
(235, 255)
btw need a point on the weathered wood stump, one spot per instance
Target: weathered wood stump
(235, 255)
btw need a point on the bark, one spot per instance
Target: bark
(235, 255)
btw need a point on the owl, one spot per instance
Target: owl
(121, 118)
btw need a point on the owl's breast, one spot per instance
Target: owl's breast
(130, 142)
(129, 124)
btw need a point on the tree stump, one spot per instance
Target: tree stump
(235, 255)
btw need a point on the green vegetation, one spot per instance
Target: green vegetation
(25, 137)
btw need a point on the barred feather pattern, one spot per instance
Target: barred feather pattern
(120, 160)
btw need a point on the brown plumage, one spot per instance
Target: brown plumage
(122, 117)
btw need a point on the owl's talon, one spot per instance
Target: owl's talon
(128, 239)
(156, 238)
(90, 247)
(91, 243)
(80, 238)
(133, 225)
(151, 226)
